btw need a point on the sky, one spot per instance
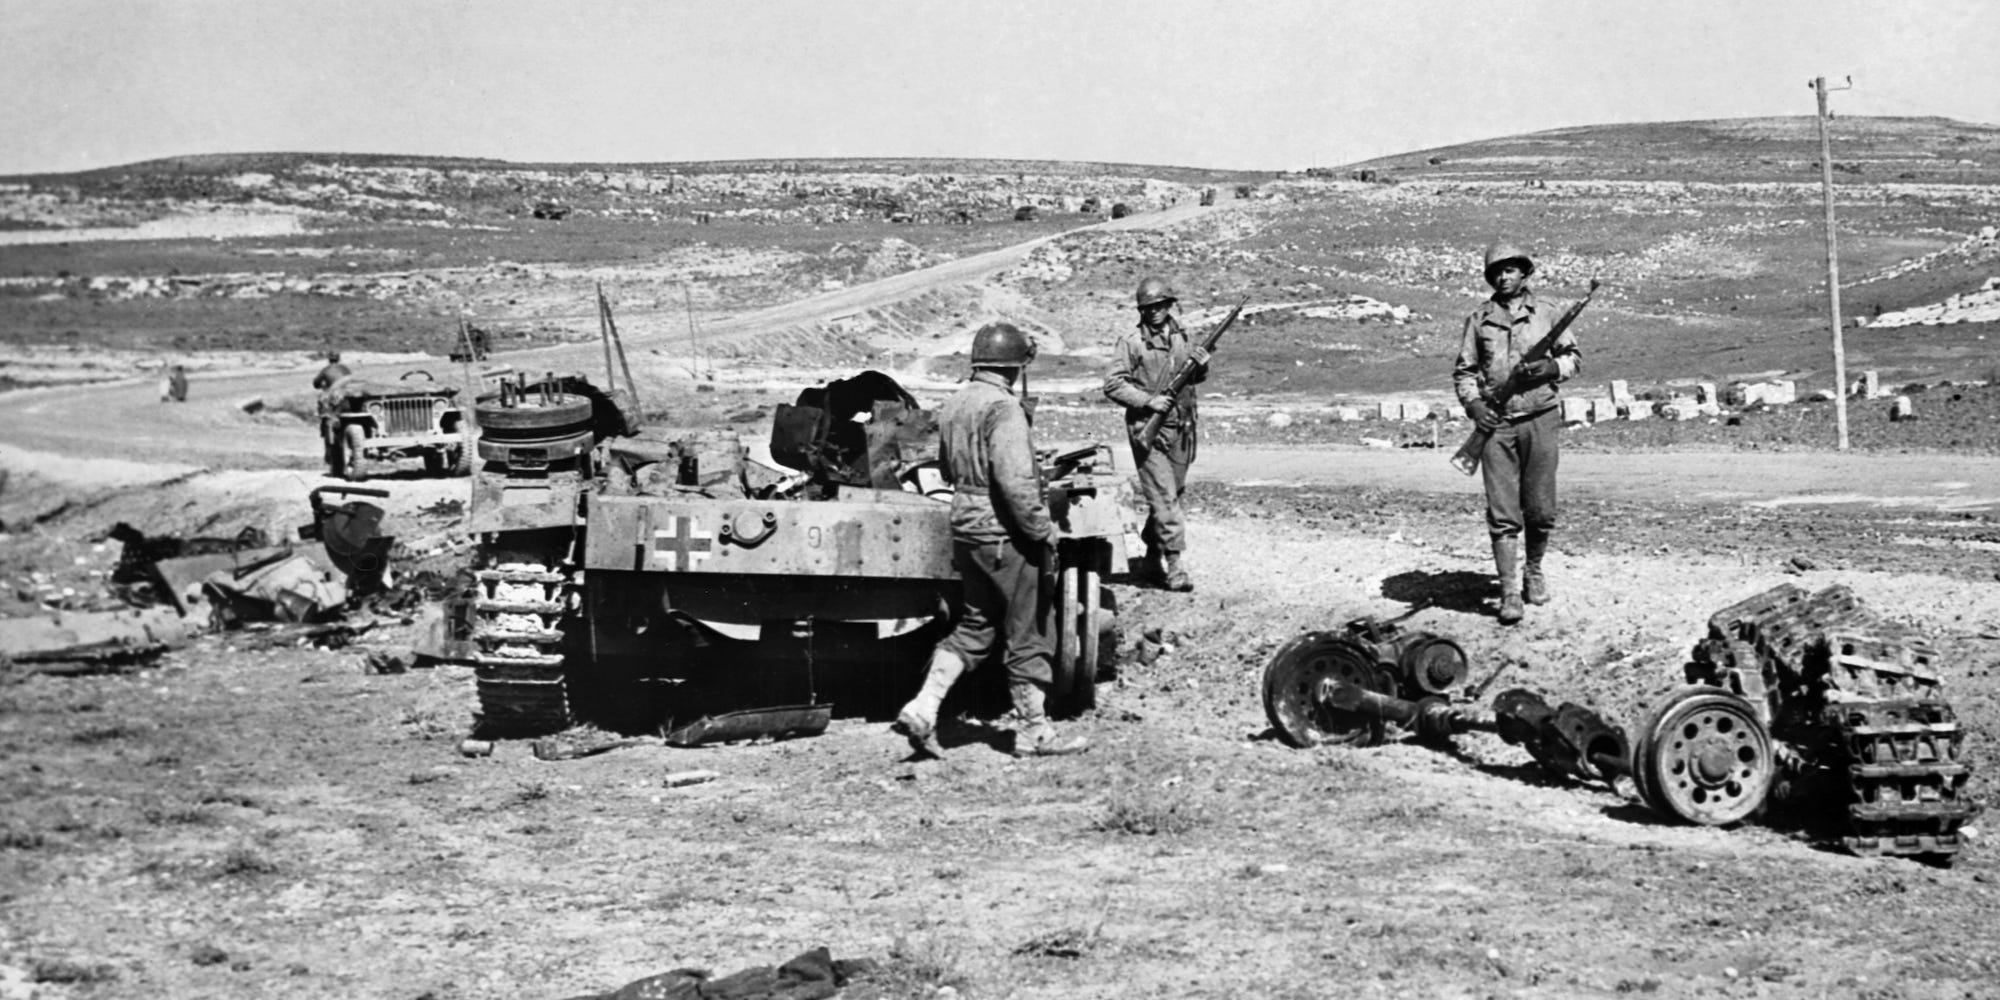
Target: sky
(1233, 84)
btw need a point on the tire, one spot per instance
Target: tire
(353, 457)
(436, 462)
(460, 458)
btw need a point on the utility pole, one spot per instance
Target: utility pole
(1820, 89)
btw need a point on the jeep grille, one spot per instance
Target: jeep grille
(406, 416)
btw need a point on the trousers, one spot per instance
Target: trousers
(1001, 586)
(1519, 467)
(1162, 480)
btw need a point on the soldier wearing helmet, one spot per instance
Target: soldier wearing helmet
(1146, 359)
(1515, 399)
(1002, 541)
(333, 372)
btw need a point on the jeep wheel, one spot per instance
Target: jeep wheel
(353, 453)
(461, 459)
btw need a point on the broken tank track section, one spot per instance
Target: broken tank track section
(519, 611)
(1858, 704)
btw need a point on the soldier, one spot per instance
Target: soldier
(174, 385)
(333, 372)
(1003, 546)
(1146, 361)
(1519, 463)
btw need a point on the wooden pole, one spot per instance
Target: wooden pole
(694, 337)
(604, 334)
(1832, 268)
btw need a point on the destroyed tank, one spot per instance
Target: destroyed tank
(684, 586)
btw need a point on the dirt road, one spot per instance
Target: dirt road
(127, 420)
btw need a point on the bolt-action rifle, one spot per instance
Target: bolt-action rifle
(1184, 374)
(1466, 458)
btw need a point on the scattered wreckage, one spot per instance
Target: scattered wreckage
(179, 588)
(1802, 708)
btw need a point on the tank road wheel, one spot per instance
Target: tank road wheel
(1079, 617)
(1292, 691)
(519, 612)
(353, 453)
(1704, 757)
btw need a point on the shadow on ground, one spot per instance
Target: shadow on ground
(1453, 590)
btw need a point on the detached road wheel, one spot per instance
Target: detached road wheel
(1704, 757)
(353, 460)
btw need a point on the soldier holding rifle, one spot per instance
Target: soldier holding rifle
(1506, 376)
(1147, 359)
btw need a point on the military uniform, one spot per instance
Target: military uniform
(333, 372)
(1145, 361)
(1003, 547)
(1518, 464)
(1001, 534)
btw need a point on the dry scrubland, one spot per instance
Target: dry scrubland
(241, 821)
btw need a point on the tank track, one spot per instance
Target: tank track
(518, 610)
(1860, 700)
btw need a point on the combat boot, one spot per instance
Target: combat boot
(1037, 737)
(1507, 560)
(918, 719)
(1535, 586)
(1176, 577)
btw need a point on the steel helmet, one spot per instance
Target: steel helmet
(1152, 290)
(1504, 252)
(1002, 345)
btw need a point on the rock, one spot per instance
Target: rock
(475, 748)
(1801, 564)
(1278, 421)
(393, 660)
(208, 954)
(681, 779)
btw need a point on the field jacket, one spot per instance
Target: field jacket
(1496, 340)
(989, 458)
(1143, 365)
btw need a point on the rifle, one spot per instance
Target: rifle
(1466, 458)
(1183, 374)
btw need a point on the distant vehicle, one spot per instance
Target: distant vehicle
(1091, 206)
(1027, 213)
(1207, 197)
(553, 210)
(473, 343)
(416, 417)
(1120, 210)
